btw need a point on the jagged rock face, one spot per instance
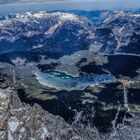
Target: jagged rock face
(20, 121)
(44, 32)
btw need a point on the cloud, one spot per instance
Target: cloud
(7, 1)
(25, 1)
(75, 4)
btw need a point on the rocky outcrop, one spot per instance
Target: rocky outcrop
(24, 122)
(19, 121)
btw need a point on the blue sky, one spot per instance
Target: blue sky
(133, 3)
(34, 5)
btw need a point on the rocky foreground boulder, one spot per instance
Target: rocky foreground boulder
(19, 121)
(24, 122)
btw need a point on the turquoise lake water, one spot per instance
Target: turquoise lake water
(62, 81)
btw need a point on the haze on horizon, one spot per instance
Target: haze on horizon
(8, 6)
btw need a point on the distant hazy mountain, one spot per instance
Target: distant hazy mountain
(64, 33)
